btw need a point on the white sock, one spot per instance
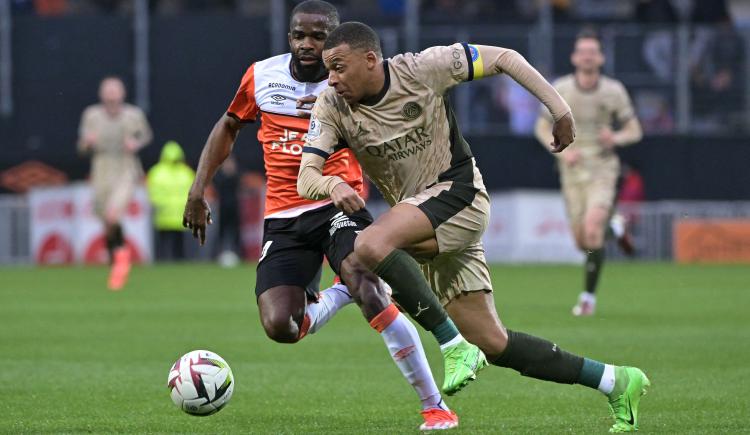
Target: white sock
(331, 300)
(454, 341)
(607, 384)
(617, 224)
(405, 347)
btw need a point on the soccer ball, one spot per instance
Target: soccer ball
(200, 382)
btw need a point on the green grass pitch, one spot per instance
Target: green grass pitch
(75, 357)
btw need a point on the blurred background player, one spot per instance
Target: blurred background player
(168, 183)
(299, 232)
(589, 169)
(113, 132)
(226, 182)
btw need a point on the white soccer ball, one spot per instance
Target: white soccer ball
(200, 382)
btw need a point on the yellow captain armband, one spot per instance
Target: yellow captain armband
(475, 59)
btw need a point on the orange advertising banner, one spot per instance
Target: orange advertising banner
(712, 241)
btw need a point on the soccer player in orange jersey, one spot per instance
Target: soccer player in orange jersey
(298, 232)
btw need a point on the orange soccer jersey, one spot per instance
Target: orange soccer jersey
(268, 88)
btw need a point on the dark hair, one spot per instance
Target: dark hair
(317, 7)
(356, 35)
(588, 32)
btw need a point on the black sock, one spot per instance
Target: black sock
(119, 239)
(541, 359)
(114, 240)
(593, 267)
(411, 290)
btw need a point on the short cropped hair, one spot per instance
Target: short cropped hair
(317, 7)
(588, 33)
(357, 35)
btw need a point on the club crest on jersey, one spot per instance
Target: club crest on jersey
(411, 110)
(314, 129)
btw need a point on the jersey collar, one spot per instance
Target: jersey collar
(375, 99)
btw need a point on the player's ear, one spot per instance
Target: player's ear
(372, 59)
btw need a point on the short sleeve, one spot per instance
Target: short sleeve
(243, 107)
(323, 136)
(623, 106)
(443, 67)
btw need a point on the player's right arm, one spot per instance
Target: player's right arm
(444, 67)
(218, 146)
(322, 140)
(86, 134)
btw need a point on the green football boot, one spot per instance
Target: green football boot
(462, 362)
(630, 384)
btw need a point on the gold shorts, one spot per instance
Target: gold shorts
(599, 191)
(459, 213)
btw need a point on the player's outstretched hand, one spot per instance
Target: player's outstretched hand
(346, 199)
(305, 104)
(196, 216)
(564, 132)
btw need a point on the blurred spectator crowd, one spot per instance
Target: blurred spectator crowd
(646, 58)
(432, 10)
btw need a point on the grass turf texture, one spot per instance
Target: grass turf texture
(75, 357)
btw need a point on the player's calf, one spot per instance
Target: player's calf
(365, 287)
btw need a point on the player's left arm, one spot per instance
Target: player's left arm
(142, 135)
(630, 130)
(487, 61)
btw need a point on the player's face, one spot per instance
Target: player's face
(587, 55)
(349, 71)
(307, 35)
(112, 95)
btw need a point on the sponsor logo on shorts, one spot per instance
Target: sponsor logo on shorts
(340, 220)
(264, 251)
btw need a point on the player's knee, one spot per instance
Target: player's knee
(281, 329)
(593, 239)
(369, 249)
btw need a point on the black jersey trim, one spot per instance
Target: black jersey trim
(317, 151)
(468, 61)
(340, 146)
(462, 165)
(238, 119)
(448, 203)
(282, 114)
(375, 99)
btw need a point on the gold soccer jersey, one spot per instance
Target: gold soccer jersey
(115, 171)
(593, 109)
(407, 139)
